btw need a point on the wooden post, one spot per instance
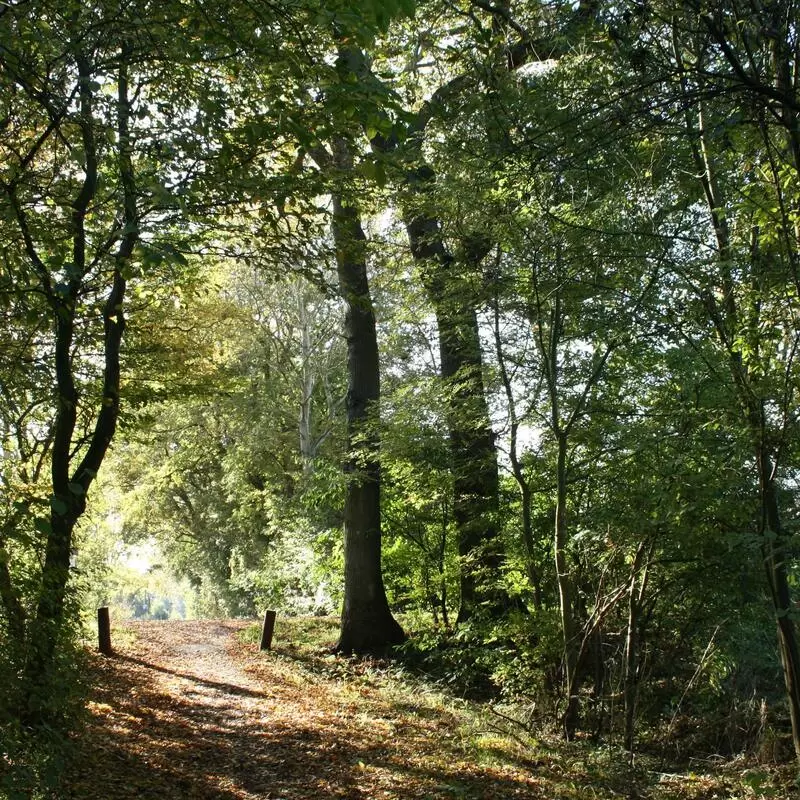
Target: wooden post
(267, 630)
(104, 631)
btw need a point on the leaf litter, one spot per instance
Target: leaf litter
(188, 710)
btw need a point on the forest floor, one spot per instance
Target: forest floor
(192, 711)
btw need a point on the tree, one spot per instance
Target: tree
(367, 623)
(449, 280)
(73, 202)
(749, 287)
(92, 198)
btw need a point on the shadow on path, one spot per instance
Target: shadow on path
(227, 688)
(148, 739)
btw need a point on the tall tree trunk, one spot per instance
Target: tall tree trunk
(473, 453)
(9, 598)
(367, 624)
(517, 470)
(308, 380)
(549, 327)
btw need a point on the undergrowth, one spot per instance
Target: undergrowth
(32, 759)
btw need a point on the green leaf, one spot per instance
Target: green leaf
(408, 7)
(367, 167)
(380, 174)
(59, 506)
(173, 254)
(43, 526)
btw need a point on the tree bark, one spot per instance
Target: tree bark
(307, 383)
(12, 606)
(566, 592)
(367, 624)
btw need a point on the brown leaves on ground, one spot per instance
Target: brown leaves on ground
(187, 711)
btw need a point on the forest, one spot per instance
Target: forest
(473, 323)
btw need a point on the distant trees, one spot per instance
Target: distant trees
(227, 457)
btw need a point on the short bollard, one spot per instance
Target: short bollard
(104, 631)
(267, 630)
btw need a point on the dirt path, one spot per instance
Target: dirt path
(186, 711)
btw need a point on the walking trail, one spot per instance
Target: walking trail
(186, 710)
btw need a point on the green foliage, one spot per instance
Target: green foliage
(419, 558)
(32, 759)
(363, 20)
(221, 473)
(622, 218)
(299, 575)
(304, 635)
